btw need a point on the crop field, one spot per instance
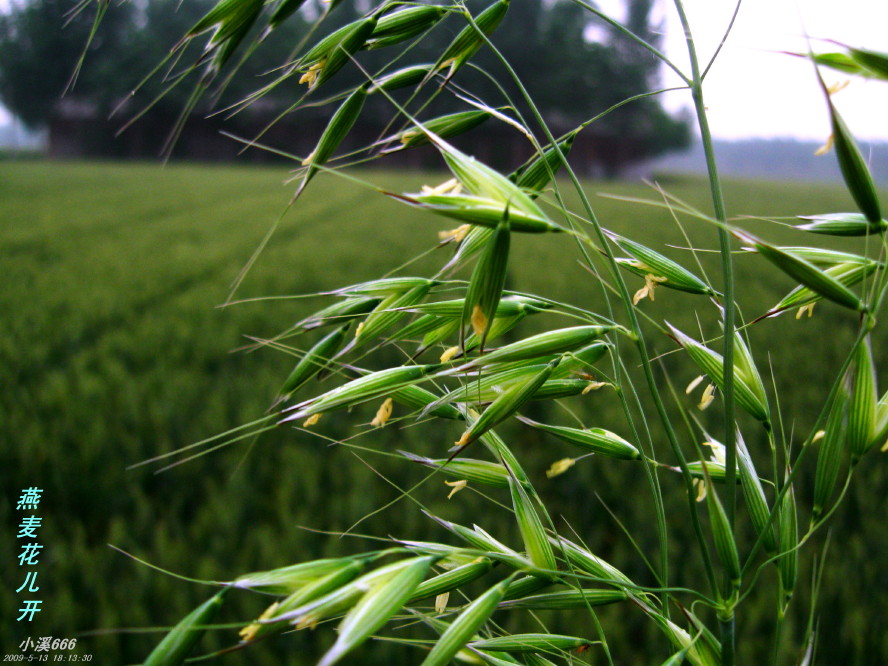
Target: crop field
(115, 350)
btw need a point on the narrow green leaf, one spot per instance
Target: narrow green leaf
(385, 286)
(531, 643)
(480, 210)
(874, 62)
(478, 538)
(470, 38)
(711, 363)
(648, 261)
(289, 579)
(348, 570)
(591, 564)
(389, 311)
(284, 10)
(372, 386)
(180, 641)
(315, 360)
(880, 438)
(466, 625)
(337, 129)
(450, 125)
(857, 176)
(417, 397)
(806, 273)
(847, 274)
(339, 312)
(506, 404)
(487, 282)
(537, 545)
(472, 241)
(343, 598)
(536, 173)
(453, 579)
(566, 600)
(862, 405)
(474, 471)
(787, 540)
(723, 537)
(376, 607)
(557, 341)
(829, 458)
(595, 440)
(841, 224)
(754, 496)
(402, 78)
(404, 24)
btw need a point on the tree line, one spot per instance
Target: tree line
(572, 76)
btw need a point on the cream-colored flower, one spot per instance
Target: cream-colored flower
(454, 235)
(449, 353)
(456, 485)
(650, 282)
(708, 397)
(560, 467)
(805, 308)
(311, 76)
(452, 186)
(826, 147)
(382, 414)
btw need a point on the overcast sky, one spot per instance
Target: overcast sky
(754, 91)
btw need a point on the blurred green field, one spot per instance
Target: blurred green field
(114, 351)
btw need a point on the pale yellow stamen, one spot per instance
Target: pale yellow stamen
(560, 467)
(310, 621)
(359, 329)
(826, 147)
(456, 485)
(694, 384)
(462, 441)
(650, 282)
(452, 186)
(311, 420)
(454, 235)
(383, 414)
(441, 602)
(708, 397)
(718, 451)
(479, 321)
(593, 386)
(248, 633)
(700, 485)
(311, 76)
(805, 308)
(839, 86)
(820, 434)
(449, 353)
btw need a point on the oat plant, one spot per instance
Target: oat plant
(458, 347)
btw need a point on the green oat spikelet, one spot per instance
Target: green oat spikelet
(180, 641)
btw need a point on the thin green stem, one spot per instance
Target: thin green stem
(625, 297)
(727, 624)
(619, 27)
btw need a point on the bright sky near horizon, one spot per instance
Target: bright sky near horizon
(755, 91)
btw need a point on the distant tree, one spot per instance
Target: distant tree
(576, 78)
(572, 77)
(36, 56)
